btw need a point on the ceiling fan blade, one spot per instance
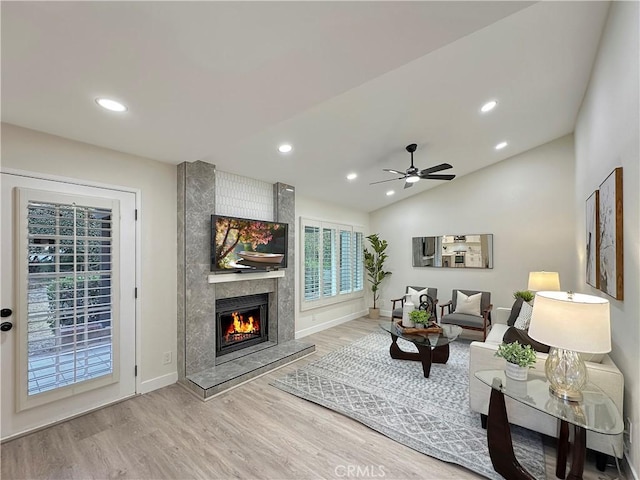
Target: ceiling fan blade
(390, 180)
(436, 168)
(408, 184)
(393, 171)
(438, 177)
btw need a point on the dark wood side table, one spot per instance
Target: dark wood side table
(596, 412)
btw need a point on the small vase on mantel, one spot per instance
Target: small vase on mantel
(516, 372)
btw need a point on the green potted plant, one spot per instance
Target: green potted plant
(520, 358)
(374, 264)
(525, 295)
(420, 318)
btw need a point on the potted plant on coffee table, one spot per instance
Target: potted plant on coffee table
(420, 318)
(374, 264)
(520, 358)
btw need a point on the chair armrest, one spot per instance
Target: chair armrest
(401, 300)
(445, 305)
(486, 315)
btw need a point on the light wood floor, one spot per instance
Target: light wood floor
(252, 432)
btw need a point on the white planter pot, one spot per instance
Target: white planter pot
(516, 372)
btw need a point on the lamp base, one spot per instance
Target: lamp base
(566, 394)
(567, 374)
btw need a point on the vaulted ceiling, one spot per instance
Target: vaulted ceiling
(348, 84)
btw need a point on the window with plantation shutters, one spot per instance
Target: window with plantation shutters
(311, 267)
(358, 261)
(332, 262)
(329, 262)
(70, 256)
(346, 263)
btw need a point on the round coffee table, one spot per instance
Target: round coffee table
(432, 347)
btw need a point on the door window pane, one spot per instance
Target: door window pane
(69, 300)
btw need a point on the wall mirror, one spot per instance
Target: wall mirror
(453, 251)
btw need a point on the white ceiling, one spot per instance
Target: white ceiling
(349, 84)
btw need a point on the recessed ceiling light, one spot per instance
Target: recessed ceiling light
(390, 192)
(352, 176)
(487, 107)
(501, 145)
(285, 148)
(112, 105)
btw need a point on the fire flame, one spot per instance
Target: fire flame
(240, 325)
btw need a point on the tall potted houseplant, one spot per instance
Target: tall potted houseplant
(374, 264)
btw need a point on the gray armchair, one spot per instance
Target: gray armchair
(466, 320)
(396, 311)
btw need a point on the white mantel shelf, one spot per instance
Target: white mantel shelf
(237, 277)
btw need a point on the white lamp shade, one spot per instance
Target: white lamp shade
(575, 322)
(544, 281)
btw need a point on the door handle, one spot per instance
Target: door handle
(5, 312)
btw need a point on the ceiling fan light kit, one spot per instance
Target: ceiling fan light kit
(413, 174)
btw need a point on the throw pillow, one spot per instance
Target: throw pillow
(415, 295)
(524, 318)
(468, 304)
(515, 311)
(514, 334)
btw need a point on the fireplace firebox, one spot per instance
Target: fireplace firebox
(241, 322)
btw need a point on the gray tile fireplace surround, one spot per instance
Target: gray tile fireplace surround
(199, 370)
(270, 356)
(237, 367)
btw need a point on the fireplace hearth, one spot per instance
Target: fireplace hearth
(241, 322)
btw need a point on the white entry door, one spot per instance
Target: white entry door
(68, 294)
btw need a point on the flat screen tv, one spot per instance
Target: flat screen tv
(242, 244)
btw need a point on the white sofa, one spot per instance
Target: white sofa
(601, 372)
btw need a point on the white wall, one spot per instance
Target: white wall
(607, 136)
(317, 319)
(33, 151)
(526, 202)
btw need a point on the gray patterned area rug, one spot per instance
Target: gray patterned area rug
(430, 415)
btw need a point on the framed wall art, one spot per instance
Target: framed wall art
(592, 252)
(610, 224)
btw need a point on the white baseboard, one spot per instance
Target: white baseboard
(158, 382)
(323, 326)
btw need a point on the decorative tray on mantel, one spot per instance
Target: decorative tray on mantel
(430, 328)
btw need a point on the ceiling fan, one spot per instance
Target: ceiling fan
(413, 174)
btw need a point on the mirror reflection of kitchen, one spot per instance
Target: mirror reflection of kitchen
(453, 251)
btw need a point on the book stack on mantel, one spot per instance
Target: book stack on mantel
(429, 328)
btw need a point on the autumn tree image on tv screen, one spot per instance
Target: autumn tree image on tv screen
(248, 244)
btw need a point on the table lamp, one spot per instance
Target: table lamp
(570, 323)
(543, 281)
